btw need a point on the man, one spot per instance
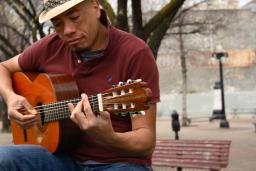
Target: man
(97, 55)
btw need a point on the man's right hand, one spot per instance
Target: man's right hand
(20, 111)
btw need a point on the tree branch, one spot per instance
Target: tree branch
(16, 32)
(8, 44)
(169, 10)
(5, 52)
(111, 14)
(19, 13)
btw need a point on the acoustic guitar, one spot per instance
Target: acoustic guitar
(49, 94)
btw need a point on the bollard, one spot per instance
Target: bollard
(176, 128)
(175, 123)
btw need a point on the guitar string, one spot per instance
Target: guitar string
(44, 109)
(53, 107)
(50, 106)
(52, 115)
(71, 100)
(45, 106)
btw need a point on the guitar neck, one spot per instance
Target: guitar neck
(59, 110)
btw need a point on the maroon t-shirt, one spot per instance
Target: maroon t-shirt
(125, 57)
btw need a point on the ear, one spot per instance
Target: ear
(96, 6)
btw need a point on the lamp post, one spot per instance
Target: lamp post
(222, 114)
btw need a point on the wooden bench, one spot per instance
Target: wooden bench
(236, 112)
(195, 154)
(254, 123)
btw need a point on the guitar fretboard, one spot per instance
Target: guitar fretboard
(59, 110)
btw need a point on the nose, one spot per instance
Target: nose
(69, 28)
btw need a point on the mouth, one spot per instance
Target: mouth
(73, 42)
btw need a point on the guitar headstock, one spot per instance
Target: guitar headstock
(126, 98)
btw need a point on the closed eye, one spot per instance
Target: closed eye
(74, 17)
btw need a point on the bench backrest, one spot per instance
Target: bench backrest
(200, 154)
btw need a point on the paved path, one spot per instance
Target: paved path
(241, 132)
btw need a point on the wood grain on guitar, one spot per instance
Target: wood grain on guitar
(49, 94)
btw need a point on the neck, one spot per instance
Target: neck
(102, 38)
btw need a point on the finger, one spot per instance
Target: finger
(71, 107)
(20, 117)
(28, 124)
(104, 115)
(29, 108)
(74, 111)
(82, 121)
(87, 107)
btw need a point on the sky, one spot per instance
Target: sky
(242, 2)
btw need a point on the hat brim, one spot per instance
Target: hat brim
(48, 15)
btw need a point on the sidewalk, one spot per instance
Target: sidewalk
(241, 132)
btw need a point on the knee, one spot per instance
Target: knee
(20, 157)
(8, 158)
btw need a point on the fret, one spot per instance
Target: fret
(59, 110)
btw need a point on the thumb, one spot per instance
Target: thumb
(29, 108)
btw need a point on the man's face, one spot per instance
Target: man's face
(79, 26)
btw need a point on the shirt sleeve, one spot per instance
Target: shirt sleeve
(28, 60)
(33, 57)
(143, 65)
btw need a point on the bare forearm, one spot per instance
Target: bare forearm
(139, 141)
(6, 83)
(6, 69)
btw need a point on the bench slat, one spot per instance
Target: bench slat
(200, 154)
(191, 156)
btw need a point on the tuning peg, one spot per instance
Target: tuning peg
(138, 80)
(142, 113)
(134, 114)
(121, 83)
(129, 81)
(114, 86)
(123, 114)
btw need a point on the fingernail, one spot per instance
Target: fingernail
(34, 111)
(83, 95)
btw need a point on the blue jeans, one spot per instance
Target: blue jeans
(36, 158)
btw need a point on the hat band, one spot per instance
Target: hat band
(50, 4)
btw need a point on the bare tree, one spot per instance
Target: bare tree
(153, 30)
(181, 28)
(19, 21)
(19, 25)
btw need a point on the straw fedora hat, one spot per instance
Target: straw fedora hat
(52, 8)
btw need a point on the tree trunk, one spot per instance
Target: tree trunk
(137, 19)
(184, 118)
(122, 19)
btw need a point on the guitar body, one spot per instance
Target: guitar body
(39, 89)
